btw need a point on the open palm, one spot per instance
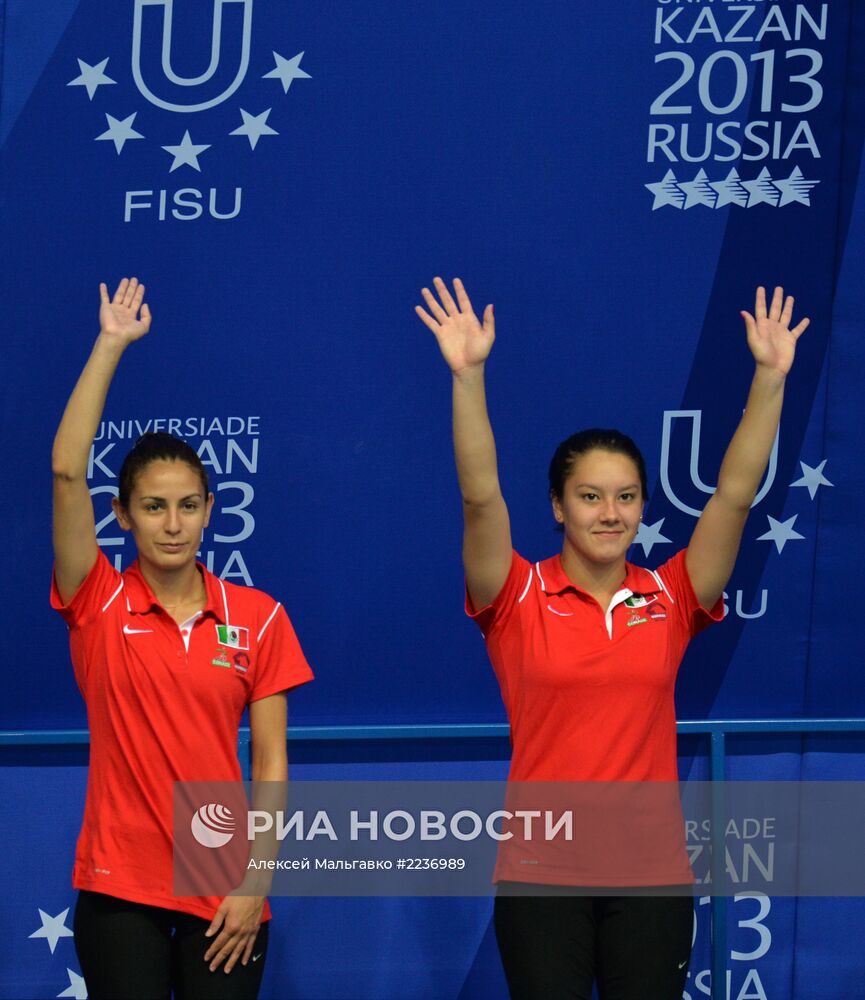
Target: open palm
(770, 338)
(463, 340)
(126, 317)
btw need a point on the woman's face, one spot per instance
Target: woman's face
(601, 506)
(167, 513)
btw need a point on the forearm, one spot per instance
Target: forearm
(269, 795)
(83, 412)
(748, 452)
(474, 444)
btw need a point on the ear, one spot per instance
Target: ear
(120, 514)
(208, 509)
(557, 510)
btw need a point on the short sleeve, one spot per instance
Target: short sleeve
(280, 662)
(101, 583)
(518, 579)
(673, 575)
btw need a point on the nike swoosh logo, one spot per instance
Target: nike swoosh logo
(683, 964)
(128, 630)
(255, 958)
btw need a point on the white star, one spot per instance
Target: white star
(91, 77)
(699, 191)
(730, 190)
(77, 987)
(780, 532)
(795, 188)
(287, 70)
(185, 153)
(53, 928)
(119, 131)
(254, 127)
(813, 478)
(761, 189)
(667, 192)
(650, 535)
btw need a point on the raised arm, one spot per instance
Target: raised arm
(465, 344)
(75, 546)
(715, 542)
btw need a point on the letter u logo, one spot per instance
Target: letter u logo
(696, 416)
(215, 54)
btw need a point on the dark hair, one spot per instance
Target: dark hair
(604, 439)
(156, 446)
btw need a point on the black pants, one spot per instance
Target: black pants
(554, 946)
(129, 951)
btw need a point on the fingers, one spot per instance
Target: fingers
(129, 294)
(750, 322)
(787, 312)
(145, 315)
(231, 960)
(121, 291)
(446, 297)
(801, 327)
(777, 302)
(462, 296)
(489, 320)
(434, 307)
(103, 293)
(247, 951)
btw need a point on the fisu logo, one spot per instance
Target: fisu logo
(189, 73)
(216, 53)
(696, 418)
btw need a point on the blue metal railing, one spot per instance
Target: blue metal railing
(716, 729)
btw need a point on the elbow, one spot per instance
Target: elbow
(64, 468)
(736, 500)
(478, 503)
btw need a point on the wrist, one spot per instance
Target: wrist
(770, 378)
(469, 372)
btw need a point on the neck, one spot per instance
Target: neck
(175, 587)
(601, 580)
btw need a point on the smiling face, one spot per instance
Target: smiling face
(167, 513)
(600, 507)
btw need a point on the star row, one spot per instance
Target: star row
(94, 77)
(780, 532)
(186, 152)
(732, 190)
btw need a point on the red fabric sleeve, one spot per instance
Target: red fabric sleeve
(674, 576)
(96, 590)
(280, 661)
(517, 581)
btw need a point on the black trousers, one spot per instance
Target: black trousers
(555, 946)
(129, 951)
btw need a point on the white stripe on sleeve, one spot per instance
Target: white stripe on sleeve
(108, 604)
(269, 620)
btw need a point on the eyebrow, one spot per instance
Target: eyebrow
(591, 486)
(191, 496)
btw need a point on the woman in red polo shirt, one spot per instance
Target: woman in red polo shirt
(167, 657)
(586, 648)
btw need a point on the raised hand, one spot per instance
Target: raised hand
(119, 317)
(770, 338)
(464, 341)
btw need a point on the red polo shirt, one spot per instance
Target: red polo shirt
(589, 690)
(162, 710)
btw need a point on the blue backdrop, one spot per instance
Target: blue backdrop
(616, 178)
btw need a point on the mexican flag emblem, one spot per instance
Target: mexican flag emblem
(232, 636)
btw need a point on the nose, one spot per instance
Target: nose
(610, 512)
(172, 521)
